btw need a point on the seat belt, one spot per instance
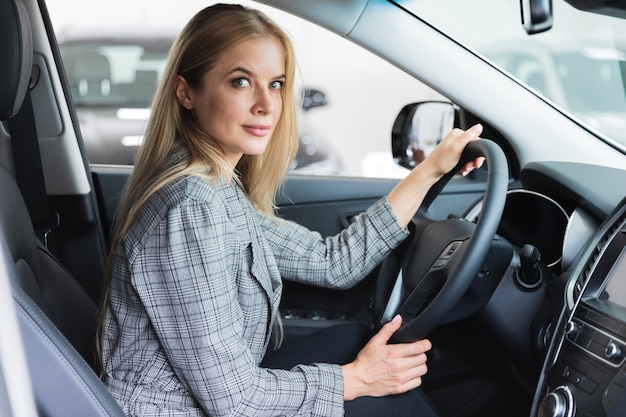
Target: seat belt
(29, 172)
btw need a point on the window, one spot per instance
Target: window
(112, 78)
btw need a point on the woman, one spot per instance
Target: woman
(197, 257)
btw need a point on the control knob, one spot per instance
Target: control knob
(558, 403)
(612, 350)
(571, 329)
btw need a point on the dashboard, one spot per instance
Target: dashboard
(584, 220)
(575, 215)
(584, 372)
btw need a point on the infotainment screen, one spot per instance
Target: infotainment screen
(615, 289)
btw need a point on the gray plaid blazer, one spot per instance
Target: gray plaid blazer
(195, 290)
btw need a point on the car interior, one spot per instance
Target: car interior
(524, 328)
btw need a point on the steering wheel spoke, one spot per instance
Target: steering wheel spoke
(422, 294)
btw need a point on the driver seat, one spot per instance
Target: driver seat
(52, 308)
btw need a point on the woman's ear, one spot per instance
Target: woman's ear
(182, 93)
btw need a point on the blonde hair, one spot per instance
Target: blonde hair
(210, 33)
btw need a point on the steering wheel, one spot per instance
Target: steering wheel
(441, 258)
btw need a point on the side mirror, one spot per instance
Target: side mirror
(536, 15)
(313, 98)
(418, 129)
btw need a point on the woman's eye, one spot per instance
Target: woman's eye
(277, 85)
(241, 82)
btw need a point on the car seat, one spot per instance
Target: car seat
(142, 89)
(57, 317)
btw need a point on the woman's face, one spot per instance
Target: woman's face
(240, 100)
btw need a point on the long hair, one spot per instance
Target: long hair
(204, 39)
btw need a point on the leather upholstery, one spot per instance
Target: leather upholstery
(42, 277)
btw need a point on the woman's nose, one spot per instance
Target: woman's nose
(264, 102)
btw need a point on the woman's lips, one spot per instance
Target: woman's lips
(257, 130)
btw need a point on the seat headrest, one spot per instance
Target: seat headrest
(16, 56)
(88, 66)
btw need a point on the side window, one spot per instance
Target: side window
(351, 97)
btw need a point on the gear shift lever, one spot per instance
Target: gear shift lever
(529, 273)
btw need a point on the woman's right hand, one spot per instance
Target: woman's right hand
(407, 196)
(384, 369)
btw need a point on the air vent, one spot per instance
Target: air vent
(593, 258)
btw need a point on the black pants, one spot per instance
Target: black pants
(340, 345)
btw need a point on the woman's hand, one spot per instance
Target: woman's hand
(382, 369)
(446, 155)
(408, 195)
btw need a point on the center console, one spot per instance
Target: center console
(584, 374)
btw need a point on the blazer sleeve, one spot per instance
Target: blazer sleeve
(338, 261)
(186, 277)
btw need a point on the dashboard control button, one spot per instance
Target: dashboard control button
(571, 329)
(580, 380)
(558, 403)
(612, 350)
(587, 385)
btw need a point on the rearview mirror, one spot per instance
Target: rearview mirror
(418, 129)
(536, 15)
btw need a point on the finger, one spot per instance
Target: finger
(410, 363)
(470, 166)
(471, 134)
(414, 382)
(475, 130)
(461, 137)
(412, 349)
(424, 345)
(385, 333)
(407, 355)
(412, 372)
(458, 139)
(467, 168)
(407, 385)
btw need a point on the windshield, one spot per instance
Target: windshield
(110, 73)
(579, 65)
